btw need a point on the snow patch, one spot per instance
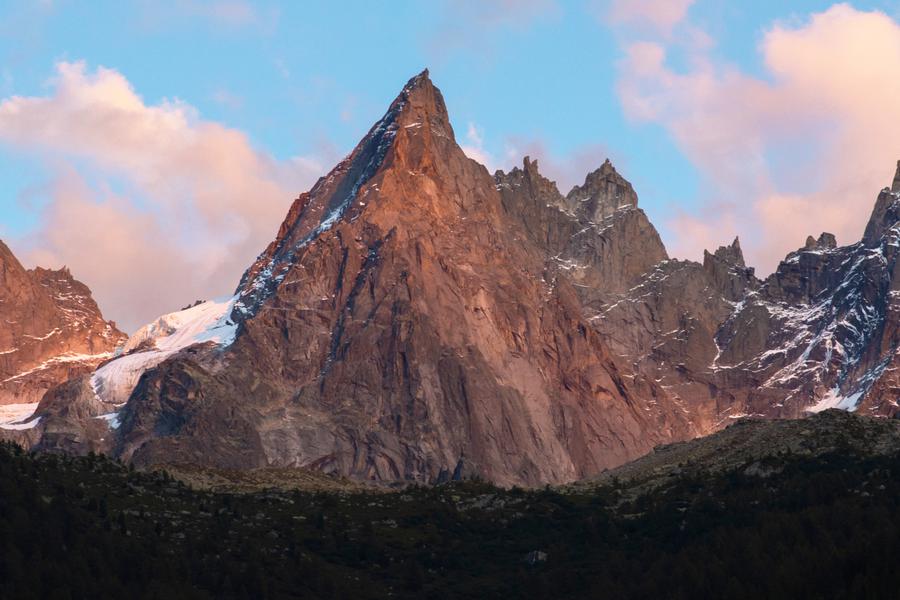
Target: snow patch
(834, 399)
(112, 419)
(44, 337)
(207, 322)
(13, 416)
(62, 358)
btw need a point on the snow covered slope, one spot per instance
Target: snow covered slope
(15, 416)
(208, 322)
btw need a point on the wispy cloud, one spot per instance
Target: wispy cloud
(473, 146)
(660, 16)
(149, 204)
(472, 25)
(802, 149)
(234, 14)
(227, 99)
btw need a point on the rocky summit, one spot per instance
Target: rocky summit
(418, 318)
(50, 331)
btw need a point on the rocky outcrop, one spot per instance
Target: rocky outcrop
(596, 234)
(51, 330)
(727, 271)
(604, 193)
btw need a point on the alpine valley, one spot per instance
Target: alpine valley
(419, 319)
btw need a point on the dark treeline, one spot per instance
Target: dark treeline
(91, 527)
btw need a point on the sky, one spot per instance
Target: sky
(154, 146)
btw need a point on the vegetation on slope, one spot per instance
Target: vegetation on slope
(802, 527)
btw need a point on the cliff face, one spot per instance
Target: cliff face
(50, 330)
(418, 318)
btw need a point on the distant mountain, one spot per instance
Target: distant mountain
(50, 331)
(821, 332)
(417, 318)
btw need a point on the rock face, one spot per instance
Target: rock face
(51, 330)
(417, 318)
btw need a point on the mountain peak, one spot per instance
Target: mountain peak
(10, 268)
(410, 136)
(6, 255)
(423, 78)
(895, 185)
(603, 193)
(731, 255)
(420, 102)
(885, 213)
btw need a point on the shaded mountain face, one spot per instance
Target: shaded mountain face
(50, 330)
(418, 318)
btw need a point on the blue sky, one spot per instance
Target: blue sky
(308, 79)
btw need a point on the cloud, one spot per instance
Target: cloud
(660, 16)
(150, 205)
(472, 25)
(232, 14)
(223, 97)
(474, 147)
(802, 149)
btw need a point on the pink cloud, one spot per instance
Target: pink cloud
(659, 15)
(176, 206)
(801, 151)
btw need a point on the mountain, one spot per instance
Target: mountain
(820, 332)
(400, 326)
(417, 318)
(51, 331)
